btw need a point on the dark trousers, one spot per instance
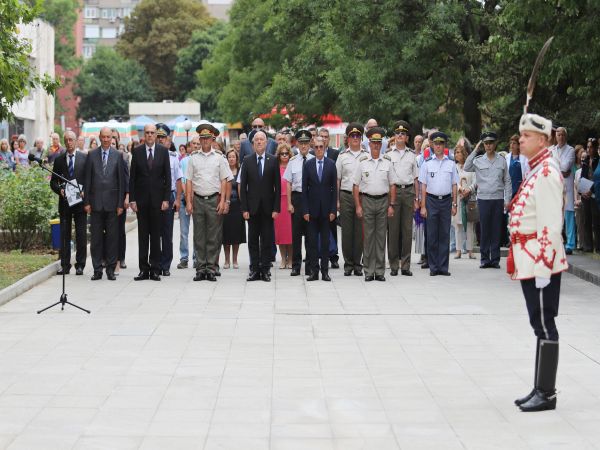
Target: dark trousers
(318, 233)
(299, 229)
(333, 252)
(149, 226)
(490, 220)
(122, 237)
(67, 217)
(104, 239)
(542, 306)
(166, 236)
(439, 213)
(260, 241)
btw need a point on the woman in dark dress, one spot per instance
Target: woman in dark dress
(234, 226)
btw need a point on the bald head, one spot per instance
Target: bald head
(370, 124)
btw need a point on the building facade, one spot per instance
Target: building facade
(218, 8)
(103, 22)
(34, 115)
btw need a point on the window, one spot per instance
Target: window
(109, 33)
(91, 13)
(126, 12)
(109, 13)
(88, 51)
(92, 31)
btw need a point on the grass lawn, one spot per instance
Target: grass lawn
(16, 265)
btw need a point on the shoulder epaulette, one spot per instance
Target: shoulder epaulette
(363, 158)
(410, 149)
(387, 157)
(219, 152)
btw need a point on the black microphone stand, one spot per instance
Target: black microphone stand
(63, 297)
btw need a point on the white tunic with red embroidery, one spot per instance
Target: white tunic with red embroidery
(536, 220)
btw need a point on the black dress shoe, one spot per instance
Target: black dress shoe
(406, 272)
(484, 265)
(295, 272)
(266, 277)
(347, 273)
(142, 276)
(335, 265)
(154, 276)
(525, 399)
(358, 272)
(217, 272)
(313, 277)
(96, 276)
(540, 401)
(166, 273)
(123, 265)
(254, 276)
(61, 270)
(569, 251)
(200, 276)
(444, 273)
(432, 273)
(369, 277)
(394, 272)
(494, 266)
(425, 266)
(379, 277)
(211, 276)
(325, 277)
(110, 275)
(79, 271)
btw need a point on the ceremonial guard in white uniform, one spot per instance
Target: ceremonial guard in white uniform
(537, 256)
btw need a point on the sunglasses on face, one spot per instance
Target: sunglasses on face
(401, 133)
(284, 154)
(257, 126)
(354, 136)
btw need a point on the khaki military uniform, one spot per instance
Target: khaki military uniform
(206, 171)
(374, 178)
(352, 230)
(404, 165)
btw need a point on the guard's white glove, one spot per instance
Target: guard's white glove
(541, 283)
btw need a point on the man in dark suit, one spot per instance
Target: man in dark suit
(149, 194)
(260, 197)
(319, 202)
(246, 146)
(70, 165)
(104, 191)
(331, 153)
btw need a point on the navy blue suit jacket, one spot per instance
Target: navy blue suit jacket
(319, 198)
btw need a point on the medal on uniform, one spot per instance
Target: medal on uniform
(366, 174)
(432, 174)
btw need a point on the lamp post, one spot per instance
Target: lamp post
(187, 126)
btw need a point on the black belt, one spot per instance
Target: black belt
(439, 197)
(375, 197)
(404, 186)
(296, 193)
(347, 192)
(206, 197)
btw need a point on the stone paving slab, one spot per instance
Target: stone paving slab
(412, 363)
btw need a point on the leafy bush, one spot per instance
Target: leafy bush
(26, 205)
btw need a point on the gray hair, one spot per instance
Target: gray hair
(22, 138)
(70, 133)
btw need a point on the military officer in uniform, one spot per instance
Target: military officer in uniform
(438, 177)
(537, 256)
(208, 189)
(293, 175)
(404, 164)
(166, 251)
(375, 198)
(352, 231)
(494, 191)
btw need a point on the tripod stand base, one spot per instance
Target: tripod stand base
(62, 302)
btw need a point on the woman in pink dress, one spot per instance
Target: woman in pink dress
(283, 222)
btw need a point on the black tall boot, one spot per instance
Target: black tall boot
(525, 399)
(544, 397)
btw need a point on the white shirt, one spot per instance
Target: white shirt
(293, 171)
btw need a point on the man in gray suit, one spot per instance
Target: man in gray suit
(104, 192)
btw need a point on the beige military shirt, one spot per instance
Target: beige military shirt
(374, 176)
(206, 170)
(346, 165)
(404, 163)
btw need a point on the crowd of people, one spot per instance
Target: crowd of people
(387, 192)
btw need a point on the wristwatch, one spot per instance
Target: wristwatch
(454, 205)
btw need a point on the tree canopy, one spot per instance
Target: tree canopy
(458, 64)
(155, 32)
(17, 76)
(62, 15)
(108, 82)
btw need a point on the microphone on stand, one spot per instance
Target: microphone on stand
(34, 158)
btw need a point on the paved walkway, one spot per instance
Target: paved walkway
(411, 363)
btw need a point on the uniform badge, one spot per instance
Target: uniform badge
(432, 174)
(366, 174)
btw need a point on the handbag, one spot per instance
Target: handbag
(472, 211)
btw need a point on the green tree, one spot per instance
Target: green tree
(62, 15)
(17, 76)
(155, 32)
(191, 58)
(108, 82)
